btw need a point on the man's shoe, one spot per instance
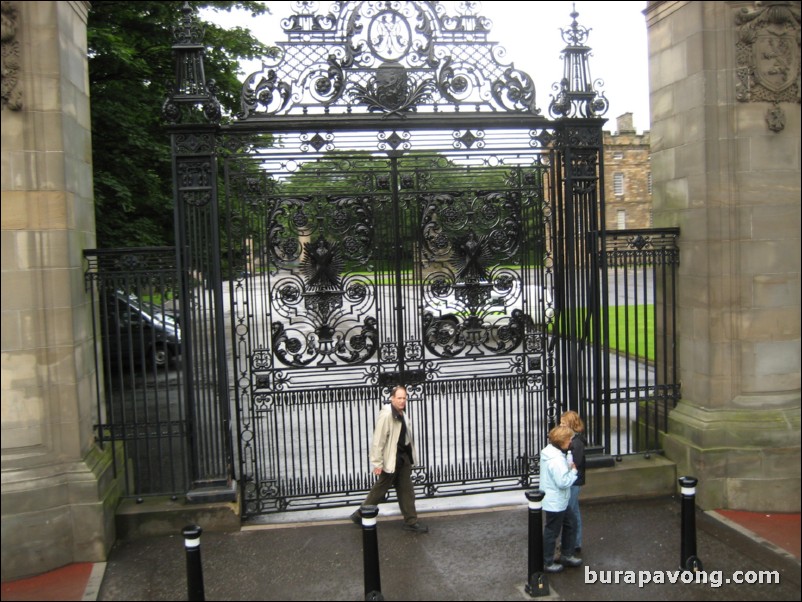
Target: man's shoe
(356, 518)
(571, 561)
(554, 568)
(416, 528)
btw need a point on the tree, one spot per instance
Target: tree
(130, 75)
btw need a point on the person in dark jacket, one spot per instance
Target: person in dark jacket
(577, 448)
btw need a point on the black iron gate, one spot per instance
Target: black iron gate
(360, 270)
(390, 207)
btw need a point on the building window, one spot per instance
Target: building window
(621, 222)
(618, 184)
(650, 182)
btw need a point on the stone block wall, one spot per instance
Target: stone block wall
(725, 143)
(58, 490)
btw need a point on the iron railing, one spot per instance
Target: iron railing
(641, 381)
(143, 413)
(141, 406)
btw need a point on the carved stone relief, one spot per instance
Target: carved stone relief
(768, 57)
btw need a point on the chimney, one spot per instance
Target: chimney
(624, 124)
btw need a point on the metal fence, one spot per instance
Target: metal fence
(144, 415)
(641, 384)
(140, 406)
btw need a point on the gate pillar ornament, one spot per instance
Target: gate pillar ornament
(577, 94)
(579, 105)
(191, 87)
(203, 347)
(195, 165)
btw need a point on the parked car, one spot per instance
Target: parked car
(134, 332)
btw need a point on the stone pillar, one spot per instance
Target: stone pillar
(58, 489)
(724, 80)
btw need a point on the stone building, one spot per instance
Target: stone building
(627, 177)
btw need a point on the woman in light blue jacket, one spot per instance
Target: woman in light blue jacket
(556, 478)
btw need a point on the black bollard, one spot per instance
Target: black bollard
(537, 584)
(370, 553)
(688, 559)
(192, 535)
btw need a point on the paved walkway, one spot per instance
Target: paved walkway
(472, 553)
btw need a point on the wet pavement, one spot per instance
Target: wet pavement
(473, 554)
(477, 550)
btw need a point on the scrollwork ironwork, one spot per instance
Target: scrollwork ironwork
(265, 91)
(472, 297)
(515, 91)
(194, 144)
(325, 308)
(468, 139)
(421, 249)
(388, 57)
(391, 91)
(394, 140)
(317, 142)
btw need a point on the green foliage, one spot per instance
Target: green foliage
(421, 178)
(358, 171)
(130, 75)
(419, 174)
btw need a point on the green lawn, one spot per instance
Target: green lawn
(632, 330)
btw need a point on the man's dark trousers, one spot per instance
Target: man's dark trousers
(402, 479)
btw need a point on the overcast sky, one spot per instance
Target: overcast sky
(530, 32)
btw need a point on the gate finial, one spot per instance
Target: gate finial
(577, 94)
(191, 87)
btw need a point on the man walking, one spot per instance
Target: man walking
(392, 455)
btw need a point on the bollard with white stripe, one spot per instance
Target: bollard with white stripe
(537, 584)
(370, 553)
(688, 559)
(195, 591)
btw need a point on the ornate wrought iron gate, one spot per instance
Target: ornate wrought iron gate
(366, 270)
(388, 202)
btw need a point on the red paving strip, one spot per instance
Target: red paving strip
(782, 530)
(66, 583)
